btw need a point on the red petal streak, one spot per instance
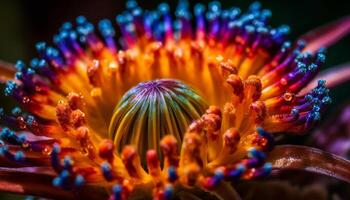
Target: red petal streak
(292, 157)
(326, 35)
(334, 77)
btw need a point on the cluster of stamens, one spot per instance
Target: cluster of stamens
(244, 68)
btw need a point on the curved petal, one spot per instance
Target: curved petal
(37, 181)
(7, 71)
(31, 159)
(31, 181)
(292, 157)
(326, 35)
(333, 76)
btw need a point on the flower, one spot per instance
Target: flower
(178, 104)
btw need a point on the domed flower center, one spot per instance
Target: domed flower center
(153, 109)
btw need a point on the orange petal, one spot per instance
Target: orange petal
(7, 71)
(326, 35)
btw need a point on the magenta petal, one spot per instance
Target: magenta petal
(6, 71)
(333, 77)
(326, 35)
(292, 157)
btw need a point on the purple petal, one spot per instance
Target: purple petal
(334, 134)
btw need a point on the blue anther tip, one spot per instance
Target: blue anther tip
(57, 181)
(79, 180)
(168, 192)
(19, 156)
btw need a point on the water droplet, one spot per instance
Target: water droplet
(47, 151)
(25, 145)
(283, 81)
(288, 96)
(21, 122)
(84, 151)
(25, 100)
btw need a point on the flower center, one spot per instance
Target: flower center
(153, 109)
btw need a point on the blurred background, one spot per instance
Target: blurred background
(23, 23)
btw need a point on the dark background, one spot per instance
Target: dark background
(25, 22)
